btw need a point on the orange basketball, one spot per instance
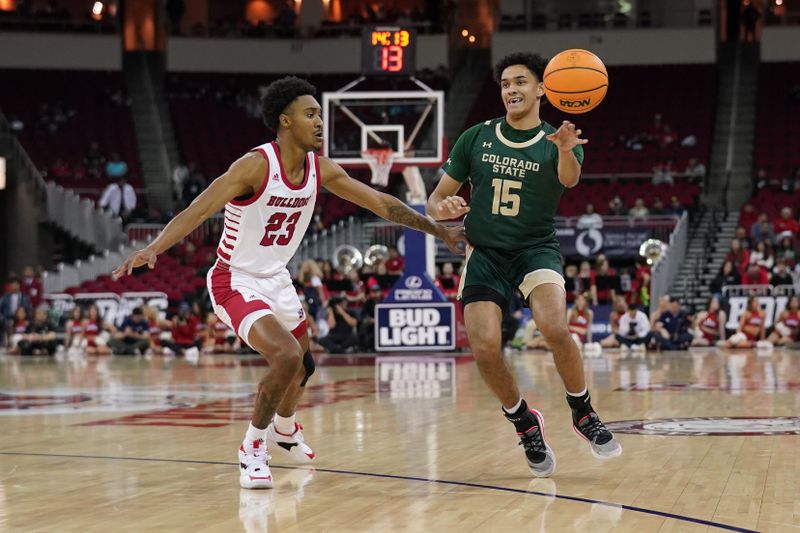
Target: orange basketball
(575, 81)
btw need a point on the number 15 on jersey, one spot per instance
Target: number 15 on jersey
(505, 201)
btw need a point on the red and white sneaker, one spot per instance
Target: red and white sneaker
(254, 466)
(293, 447)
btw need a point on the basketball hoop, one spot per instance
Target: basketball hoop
(380, 164)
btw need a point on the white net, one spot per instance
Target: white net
(380, 164)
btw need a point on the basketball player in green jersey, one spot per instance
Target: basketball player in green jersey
(518, 167)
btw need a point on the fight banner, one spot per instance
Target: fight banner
(772, 306)
(113, 307)
(613, 242)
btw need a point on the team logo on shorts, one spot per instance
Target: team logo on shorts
(710, 426)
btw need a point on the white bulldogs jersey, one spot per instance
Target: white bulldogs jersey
(263, 232)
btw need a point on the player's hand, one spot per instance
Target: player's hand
(452, 207)
(456, 239)
(135, 260)
(566, 137)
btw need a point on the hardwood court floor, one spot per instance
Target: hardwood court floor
(127, 444)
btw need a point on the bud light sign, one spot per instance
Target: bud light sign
(421, 326)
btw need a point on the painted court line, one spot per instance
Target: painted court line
(412, 478)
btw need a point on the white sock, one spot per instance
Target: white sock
(253, 434)
(515, 408)
(284, 425)
(578, 394)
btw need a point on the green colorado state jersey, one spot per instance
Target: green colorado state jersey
(514, 179)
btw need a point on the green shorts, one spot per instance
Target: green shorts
(506, 272)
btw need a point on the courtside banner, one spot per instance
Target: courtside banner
(613, 242)
(415, 326)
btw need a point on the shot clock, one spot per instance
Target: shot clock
(388, 50)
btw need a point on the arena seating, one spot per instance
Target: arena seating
(599, 193)
(636, 94)
(97, 118)
(778, 119)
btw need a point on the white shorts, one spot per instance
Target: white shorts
(239, 299)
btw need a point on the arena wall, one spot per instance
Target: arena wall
(617, 47)
(780, 43)
(191, 54)
(60, 51)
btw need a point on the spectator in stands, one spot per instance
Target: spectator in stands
(17, 328)
(39, 338)
(709, 324)
(762, 256)
(59, 170)
(781, 276)
(675, 207)
(671, 332)
(786, 251)
(796, 180)
(590, 219)
(787, 327)
(762, 229)
(116, 168)
(310, 278)
(366, 328)
(341, 337)
(755, 275)
(663, 305)
(73, 330)
(585, 277)
(662, 173)
(751, 327)
(750, 18)
(572, 284)
(120, 198)
(762, 179)
(15, 123)
(96, 331)
(175, 11)
(667, 137)
(615, 207)
(156, 327)
(639, 210)
(634, 330)
(604, 294)
(748, 217)
(286, 21)
(395, 262)
(184, 335)
(132, 336)
(180, 176)
(739, 256)
(219, 338)
(728, 275)
(695, 170)
(448, 281)
(10, 302)
(31, 286)
(743, 237)
(619, 309)
(786, 225)
(579, 321)
(658, 208)
(194, 186)
(317, 221)
(94, 160)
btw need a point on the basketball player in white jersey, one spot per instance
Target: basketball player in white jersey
(268, 196)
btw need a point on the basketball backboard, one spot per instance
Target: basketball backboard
(411, 123)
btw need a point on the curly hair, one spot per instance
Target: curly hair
(279, 94)
(534, 62)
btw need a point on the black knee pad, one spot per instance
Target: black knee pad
(308, 364)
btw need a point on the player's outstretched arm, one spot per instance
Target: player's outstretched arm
(566, 138)
(443, 204)
(245, 175)
(335, 179)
